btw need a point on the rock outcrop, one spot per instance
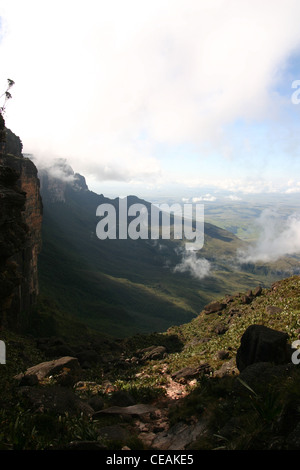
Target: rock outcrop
(20, 231)
(262, 344)
(57, 178)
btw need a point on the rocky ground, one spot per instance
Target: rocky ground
(223, 381)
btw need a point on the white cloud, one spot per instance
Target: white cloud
(233, 197)
(293, 187)
(205, 198)
(101, 83)
(195, 266)
(277, 238)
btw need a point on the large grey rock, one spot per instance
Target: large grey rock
(188, 373)
(151, 353)
(134, 410)
(214, 307)
(272, 310)
(262, 344)
(179, 436)
(45, 369)
(154, 352)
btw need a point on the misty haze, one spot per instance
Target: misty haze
(149, 228)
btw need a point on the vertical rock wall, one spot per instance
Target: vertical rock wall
(20, 233)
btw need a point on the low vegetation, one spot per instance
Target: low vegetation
(241, 414)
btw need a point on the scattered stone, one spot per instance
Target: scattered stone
(272, 310)
(152, 352)
(134, 360)
(179, 436)
(188, 373)
(229, 298)
(262, 344)
(246, 299)
(214, 307)
(228, 368)
(222, 354)
(45, 369)
(234, 311)
(135, 410)
(233, 314)
(257, 291)
(220, 329)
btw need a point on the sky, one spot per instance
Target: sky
(158, 96)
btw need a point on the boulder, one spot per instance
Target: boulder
(227, 368)
(152, 352)
(222, 354)
(220, 329)
(134, 410)
(272, 310)
(214, 307)
(262, 344)
(179, 436)
(45, 369)
(257, 291)
(246, 299)
(189, 373)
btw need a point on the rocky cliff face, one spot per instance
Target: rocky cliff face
(57, 178)
(20, 232)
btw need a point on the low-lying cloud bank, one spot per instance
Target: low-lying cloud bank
(278, 237)
(195, 266)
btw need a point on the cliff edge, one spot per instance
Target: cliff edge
(20, 230)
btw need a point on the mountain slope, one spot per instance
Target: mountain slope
(123, 286)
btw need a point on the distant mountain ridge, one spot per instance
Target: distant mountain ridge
(123, 286)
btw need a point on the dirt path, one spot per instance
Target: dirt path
(155, 431)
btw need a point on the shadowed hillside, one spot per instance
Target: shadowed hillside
(125, 286)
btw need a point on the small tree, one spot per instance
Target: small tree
(6, 95)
